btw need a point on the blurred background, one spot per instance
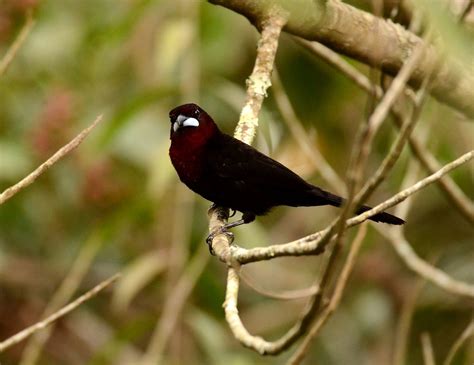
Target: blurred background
(116, 204)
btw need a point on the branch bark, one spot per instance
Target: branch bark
(377, 42)
(20, 336)
(63, 151)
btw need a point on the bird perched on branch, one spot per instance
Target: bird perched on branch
(234, 175)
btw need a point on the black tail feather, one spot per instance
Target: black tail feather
(381, 217)
(322, 197)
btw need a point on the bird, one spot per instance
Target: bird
(234, 175)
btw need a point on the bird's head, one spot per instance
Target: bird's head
(190, 122)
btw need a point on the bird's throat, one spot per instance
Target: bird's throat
(186, 155)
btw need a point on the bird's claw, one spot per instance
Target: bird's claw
(214, 234)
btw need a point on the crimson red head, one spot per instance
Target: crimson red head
(192, 123)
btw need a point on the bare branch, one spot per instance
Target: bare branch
(426, 158)
(447, 185)
(402, 333)
(259, 81)
(376, 119)
(342, 27)
(314, 244)
(301, 352)
(255, 342)
(423, 268)
(468, 332)
(336, 61)
(301, 136)
(283, 295)
(20, 336)
(427, 346)
(62, 295)
(173, 308)
(13, 50)
(404, 194)
(387, 164)
(63, 151)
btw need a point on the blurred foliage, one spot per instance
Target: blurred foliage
(134, 60)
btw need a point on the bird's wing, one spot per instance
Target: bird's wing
(241, 171)
(238, 161)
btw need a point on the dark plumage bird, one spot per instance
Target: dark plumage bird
(234, 175)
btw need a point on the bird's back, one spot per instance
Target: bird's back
(238, 176)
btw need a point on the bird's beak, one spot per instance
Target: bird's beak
(184, 121)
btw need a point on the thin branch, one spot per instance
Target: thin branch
(359, 159)
(427, 346)
(255, 342)
(63, 294)
(363, 144)
(259, 81)
(313, 243)
(468, 332)
(426, 158)
(423, 268)
(63, 151)
(16, 45)
(301, 136)
(402, 331)
(394, 91)
(412, 175)
(20, 336)
(404, 194)
(447, 185)
(282, 294)
(173, 308)
(301, 352)
(395, 151)
(336, 61)
(467, 9)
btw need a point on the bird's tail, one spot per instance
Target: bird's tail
(381, 217)
(322, 197)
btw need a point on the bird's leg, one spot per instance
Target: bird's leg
(246, 218)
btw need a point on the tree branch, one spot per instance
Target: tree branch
(423, 268)
(257, 343)
(365, 37)
(468, 332)
(20, 336)
(314, 243)
(259, 81)
(13, 50)
(257, 85)
(336, 297)
(426, 158)
(63, 151)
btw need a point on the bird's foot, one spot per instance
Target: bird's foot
(222, 230)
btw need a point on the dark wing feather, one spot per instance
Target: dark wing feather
(248, 180)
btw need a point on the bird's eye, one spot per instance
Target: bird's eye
(196, 112)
